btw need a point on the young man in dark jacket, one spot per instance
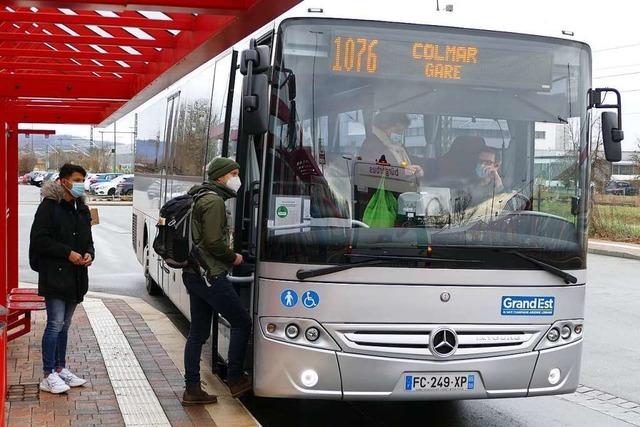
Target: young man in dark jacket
(61, 249)
(211, 244)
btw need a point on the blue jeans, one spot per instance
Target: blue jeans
(54, 338)
(221, 297)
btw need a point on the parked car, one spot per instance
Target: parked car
(24, 179)
(50, 176)
(107, 188)
(98, 178)
(125, 187)
(37, 177)
(621, 188)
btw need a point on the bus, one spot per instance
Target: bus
(370, 277)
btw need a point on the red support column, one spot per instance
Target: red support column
(12, 207)
(3, 257)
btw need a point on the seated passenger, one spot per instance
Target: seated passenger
(384, 145)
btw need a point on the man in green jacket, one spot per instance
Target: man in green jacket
(215, 294)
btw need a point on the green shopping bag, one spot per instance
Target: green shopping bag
(381, 209)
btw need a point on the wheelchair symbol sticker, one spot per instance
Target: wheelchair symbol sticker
(289, 298)
(310, 299)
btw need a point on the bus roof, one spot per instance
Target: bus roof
(424, 12)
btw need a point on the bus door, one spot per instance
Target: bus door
(165, 180)
(244, 209)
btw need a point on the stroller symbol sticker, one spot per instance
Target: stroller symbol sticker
(289, 298)
(310, 299)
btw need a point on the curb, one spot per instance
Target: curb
(616, 254)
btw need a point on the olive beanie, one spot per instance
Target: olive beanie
(221, 166)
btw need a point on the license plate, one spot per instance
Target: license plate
(439, 382)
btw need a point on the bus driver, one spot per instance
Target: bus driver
(384, 145)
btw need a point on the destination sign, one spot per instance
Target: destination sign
(461, 60)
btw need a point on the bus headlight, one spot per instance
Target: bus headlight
(312, 334)
(309, 378)
(560, 333)
(554, 376)
(292, 331)
(289, 330)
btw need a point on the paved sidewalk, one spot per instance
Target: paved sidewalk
(617, 249)
(133, 377)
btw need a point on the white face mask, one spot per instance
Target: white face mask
(234, 183)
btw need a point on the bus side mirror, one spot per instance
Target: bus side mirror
(611, 122)
(612, 135)
(254, 63)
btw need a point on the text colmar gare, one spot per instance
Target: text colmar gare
(444, 62)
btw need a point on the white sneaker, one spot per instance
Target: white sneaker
(53, 384)
(70, 378)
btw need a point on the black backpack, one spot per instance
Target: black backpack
(173, 239)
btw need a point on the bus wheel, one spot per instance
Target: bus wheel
(153, 288)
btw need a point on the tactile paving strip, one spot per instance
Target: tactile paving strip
(138, 403)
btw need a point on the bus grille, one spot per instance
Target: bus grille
(412, 340)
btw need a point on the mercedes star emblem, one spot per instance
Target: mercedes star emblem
(443, 342)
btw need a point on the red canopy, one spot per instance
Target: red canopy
(92, 62)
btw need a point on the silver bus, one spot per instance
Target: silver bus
(417, 276)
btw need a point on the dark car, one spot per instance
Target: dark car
(620, 188)
(125, 187)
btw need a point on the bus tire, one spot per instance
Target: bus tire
(153, 289)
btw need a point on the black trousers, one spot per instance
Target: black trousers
(220, 297)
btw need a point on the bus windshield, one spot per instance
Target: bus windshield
(415, 142)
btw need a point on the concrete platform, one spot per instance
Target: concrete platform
(132, 356)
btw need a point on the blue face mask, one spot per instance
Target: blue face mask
(77, 189)
(396, 137)
(481, 170)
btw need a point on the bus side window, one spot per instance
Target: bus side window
(219, 102)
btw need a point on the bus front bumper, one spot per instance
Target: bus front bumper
(287, 370)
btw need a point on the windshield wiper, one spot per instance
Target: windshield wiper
(306, 274)
(373, 259)
(568, 278)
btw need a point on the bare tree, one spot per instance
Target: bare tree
(26, 162)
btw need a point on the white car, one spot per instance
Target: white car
(108, 188)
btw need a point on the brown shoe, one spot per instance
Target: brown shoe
(194, 395)
(240, 387)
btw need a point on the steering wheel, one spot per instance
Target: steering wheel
(517, 202)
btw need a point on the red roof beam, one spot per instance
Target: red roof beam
(97, 40)
(59, 54)
(135, 69)
(102, 21)
(217, 7)
(61, 107)
(65, 86)
(36, 132)
(52, 116)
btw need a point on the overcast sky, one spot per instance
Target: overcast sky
(611, 28)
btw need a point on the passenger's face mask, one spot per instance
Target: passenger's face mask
(481, 170)
(396, 137)
(76, 189)
(234, 183)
